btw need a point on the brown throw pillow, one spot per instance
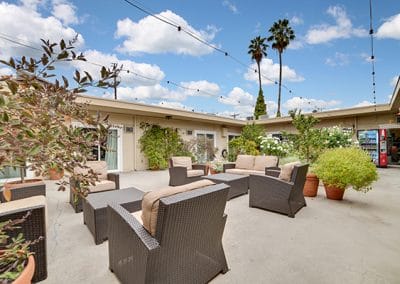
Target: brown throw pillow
(287, 170)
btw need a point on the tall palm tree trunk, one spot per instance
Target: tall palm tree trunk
(259, 75)
(278, 113)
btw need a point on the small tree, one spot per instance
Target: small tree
(247, 143)
(34, 112)
(261, 107)
(307, 141)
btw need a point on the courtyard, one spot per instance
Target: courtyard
(351, 241)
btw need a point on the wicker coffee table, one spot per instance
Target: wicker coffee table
(239, 183)
(95, 209)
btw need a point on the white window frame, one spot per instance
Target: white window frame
(205, 132)
(119, 129)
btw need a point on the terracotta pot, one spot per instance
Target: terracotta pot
(212, 171)
(333, 192)
(311, 185)
(14, 185)
(55, 174)
(26, 276)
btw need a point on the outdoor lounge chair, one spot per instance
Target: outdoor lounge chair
(251, 165)
(186, 246)
(107, 181)
(277, 194)
(182, 171)
(32, 228)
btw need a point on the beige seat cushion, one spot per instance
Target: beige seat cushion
(138, 216)
(151, 201)
(287, 170)
(261, 162)
(99, 167)
(195, 173)
(244, 172)
(102, 185)
(244, 162)
(182, 162)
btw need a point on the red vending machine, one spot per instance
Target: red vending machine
(383, 159)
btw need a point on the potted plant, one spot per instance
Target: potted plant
(17, 263)
(36, 113)
(216, 166)
(54, 171)
(308, 145)
(341, 168)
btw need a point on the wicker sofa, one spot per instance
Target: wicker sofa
(107, 181)
(32, 228)
(283, 194)
(182, 171)
(184, 245)
(251, 165)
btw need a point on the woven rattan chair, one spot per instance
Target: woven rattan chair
(33, 228)
(274, 194)
(107, 181)
(182, 171)
(186, 248)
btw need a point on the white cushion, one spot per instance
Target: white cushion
(195, 173)
(99, 167)
(287, 170)
(138, 216)
(244, 162)
(182, 162)
(244, 172)
(102, 185)
(151, 201)
(261, 162)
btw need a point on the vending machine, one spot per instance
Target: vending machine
(375, 142)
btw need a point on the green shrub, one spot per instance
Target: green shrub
(344, 167)
(274, 146)
(241, 145)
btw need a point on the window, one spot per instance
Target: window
(9, 172)
(205, 146)
(108, 150)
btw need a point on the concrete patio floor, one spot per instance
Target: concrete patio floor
(356, 240)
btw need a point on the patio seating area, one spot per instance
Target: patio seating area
(350, 241)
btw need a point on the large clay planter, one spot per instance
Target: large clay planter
(311, 185)
(55, 174)
(16, 190)
(333, 192)
(213, 172)
(26, 276)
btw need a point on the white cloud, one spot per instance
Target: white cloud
(242, 102)
(4, 71)
(394, 80)
(363, 104)
(32, 4)
(366, 57)
(308, 105)
(271, 70)
(296, 21)
(151, 36)
(296, 44)
(174, 105)
(232, 7)
(342, 29)
(142, 69)
(339, 59)
(156, 92)
(65, 11)
(28, 26)
(390, 28)
(205, 88)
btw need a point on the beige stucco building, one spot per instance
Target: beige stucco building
(126, 118)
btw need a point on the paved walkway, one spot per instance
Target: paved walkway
(356, 240)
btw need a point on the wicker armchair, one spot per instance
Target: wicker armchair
(274, 194)
(187, 244)
(33, 228)
(107, 181)
(182, 171)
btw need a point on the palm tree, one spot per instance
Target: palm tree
(281, 35)
(257, 50)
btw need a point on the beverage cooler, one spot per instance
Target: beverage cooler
(374, 141)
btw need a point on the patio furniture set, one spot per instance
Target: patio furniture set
(177, 235)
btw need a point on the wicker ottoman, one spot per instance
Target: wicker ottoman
(239, 184)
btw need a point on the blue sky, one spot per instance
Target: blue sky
(327, 67)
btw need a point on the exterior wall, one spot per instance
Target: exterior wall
(133, 159)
